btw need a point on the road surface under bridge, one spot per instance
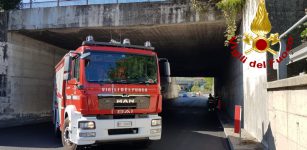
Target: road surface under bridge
(187, 124)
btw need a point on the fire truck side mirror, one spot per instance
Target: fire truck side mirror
(165, 69)
(67, 62)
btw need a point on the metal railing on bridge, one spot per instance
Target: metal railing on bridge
(296, 63)
(54, 3)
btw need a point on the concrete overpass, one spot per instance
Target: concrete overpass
(172, 28)
(33, 40)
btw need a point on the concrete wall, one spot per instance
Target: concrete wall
(282, 14)
(130, 14)
(229, 85)
(288, 114)
(4, 90)
(28, 67)
(254, 82)
(169, 90)
(243, 85)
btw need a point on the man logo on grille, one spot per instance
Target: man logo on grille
(128, 101)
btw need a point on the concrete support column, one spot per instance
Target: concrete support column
(169, 90)
(4, 90)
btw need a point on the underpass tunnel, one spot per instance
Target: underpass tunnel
(32, 41)
(193, 50)
(188, 117)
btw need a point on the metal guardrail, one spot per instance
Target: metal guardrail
(56, 3)
(282, 71)
(302, 20)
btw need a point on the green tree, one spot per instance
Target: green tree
(195, 87)
(9, 4)
(208, 83)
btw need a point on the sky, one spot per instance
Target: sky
(27, 1)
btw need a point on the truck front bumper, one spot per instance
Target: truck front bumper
(108, 130)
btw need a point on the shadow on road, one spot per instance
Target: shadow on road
(187, 124)
(31, 136)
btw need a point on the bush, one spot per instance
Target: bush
(9, 4)
(304, 32)
(231, 9)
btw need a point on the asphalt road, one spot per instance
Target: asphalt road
(186, 125)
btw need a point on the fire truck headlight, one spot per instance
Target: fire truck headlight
(156, 122)
(87, 125)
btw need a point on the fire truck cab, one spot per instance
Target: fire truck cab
(108, 91)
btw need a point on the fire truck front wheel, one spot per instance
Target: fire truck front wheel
(67, 144)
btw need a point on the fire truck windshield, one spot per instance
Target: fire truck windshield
(122, 68)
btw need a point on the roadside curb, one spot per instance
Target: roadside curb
(247, 142)
(227, 136)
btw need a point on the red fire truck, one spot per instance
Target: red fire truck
(108, 91)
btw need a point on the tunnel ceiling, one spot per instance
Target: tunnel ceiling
(193, 49)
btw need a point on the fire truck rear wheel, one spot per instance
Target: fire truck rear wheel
(67, 144)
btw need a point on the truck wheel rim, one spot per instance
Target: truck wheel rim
(66, 136)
